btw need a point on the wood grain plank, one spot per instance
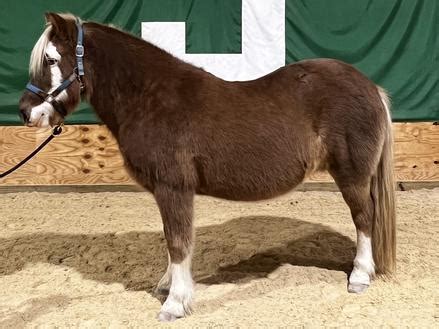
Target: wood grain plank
(89, 155)
(416, 152)
(15, 144)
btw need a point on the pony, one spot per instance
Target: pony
(183, 131)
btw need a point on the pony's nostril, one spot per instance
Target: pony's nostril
(25, 115)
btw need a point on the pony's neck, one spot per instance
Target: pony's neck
(122, 71)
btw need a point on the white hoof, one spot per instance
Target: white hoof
(174, 308)
(359, 281)
(166, 317)
(357, 288)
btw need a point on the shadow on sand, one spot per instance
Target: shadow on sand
(236, 251)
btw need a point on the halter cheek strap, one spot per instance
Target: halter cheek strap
(78, 74)
(80, 50)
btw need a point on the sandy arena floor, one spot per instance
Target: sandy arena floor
(91, 260)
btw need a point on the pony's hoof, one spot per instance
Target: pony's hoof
(357, 288)
(166, 317)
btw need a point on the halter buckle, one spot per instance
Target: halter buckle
(79, 51)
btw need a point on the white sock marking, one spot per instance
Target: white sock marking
(179, 300)
(364, 266)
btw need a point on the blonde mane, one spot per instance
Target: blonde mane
(39, 50)
(37, 55)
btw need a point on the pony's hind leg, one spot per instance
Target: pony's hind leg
(360, 202)
(176, 211)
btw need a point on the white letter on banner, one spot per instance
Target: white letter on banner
(263, 42)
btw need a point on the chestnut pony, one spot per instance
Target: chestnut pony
(183, 131)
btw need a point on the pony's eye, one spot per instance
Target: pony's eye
(52, 61)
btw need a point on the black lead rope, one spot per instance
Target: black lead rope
(56, 131)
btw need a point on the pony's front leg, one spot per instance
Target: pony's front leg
(176, 211)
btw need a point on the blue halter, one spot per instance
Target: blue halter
(78, 74)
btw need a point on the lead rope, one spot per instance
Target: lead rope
(56, 131)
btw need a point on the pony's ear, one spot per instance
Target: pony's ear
(58, 23)
(61, 26)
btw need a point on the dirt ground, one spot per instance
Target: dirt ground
(91, 261)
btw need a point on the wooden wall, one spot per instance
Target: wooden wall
(88, 155)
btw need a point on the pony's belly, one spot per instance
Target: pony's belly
(248, 187)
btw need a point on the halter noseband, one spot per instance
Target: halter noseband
(78, 74)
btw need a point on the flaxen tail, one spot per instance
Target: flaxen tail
(383, 193)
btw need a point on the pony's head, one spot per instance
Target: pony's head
(55, 84)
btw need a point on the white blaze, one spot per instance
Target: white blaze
(41, 114)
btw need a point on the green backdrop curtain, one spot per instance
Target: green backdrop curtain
(394, 42)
